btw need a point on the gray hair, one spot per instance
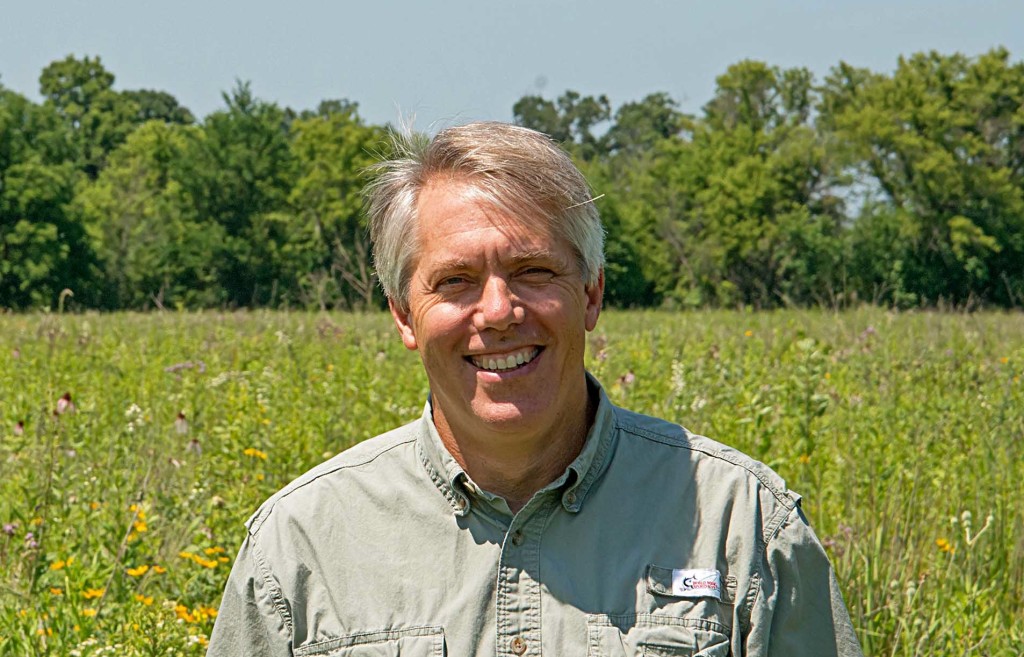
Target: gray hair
(519, 171)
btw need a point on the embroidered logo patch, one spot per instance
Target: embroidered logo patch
(697, 583)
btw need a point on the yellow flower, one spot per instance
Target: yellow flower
(159, 570)
(944, 545)
(144, 599)
(140, 525)
(139, 571)
(185, 555)
(1004, 360)
(205, 563)
(89, 594)
(56, 591)
(804, 458)
(223, 559)
(36, 521)
(90, 612)
(58, 565)
(94, 505)
(749, 333)
(828, 375)
(181, 611)
(214, 550)
(255, 453)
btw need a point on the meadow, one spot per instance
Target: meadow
(133, 448)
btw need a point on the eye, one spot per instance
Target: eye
(452, 282)
(535, 273)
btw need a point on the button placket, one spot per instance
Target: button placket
(518, 603)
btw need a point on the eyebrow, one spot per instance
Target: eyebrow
(455, 264)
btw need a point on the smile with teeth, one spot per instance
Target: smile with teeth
(507, 362)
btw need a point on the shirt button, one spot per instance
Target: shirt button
(570, 497)
(518, 645)
(517, 537)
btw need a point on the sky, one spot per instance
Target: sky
(446, 62)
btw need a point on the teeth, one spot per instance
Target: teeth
(509, 362)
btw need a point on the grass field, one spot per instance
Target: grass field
(122, 504)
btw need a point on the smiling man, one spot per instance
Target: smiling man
(523, 513)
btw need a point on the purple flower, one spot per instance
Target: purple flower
(10, 528)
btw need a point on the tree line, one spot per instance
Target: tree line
(903, 189)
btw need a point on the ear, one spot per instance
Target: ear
(595, 295)
(404, 323)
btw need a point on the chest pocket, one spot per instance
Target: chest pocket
(409, 642)
(640, 635)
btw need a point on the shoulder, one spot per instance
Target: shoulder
(309, 489)
(708, 462)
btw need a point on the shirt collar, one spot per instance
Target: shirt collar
(574, 483)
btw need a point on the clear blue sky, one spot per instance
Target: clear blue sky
(449, 61)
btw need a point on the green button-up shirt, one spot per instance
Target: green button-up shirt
(654, 541)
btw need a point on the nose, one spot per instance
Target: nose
(498, 307)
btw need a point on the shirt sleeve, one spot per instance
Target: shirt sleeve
(799, 610)
(253, 620)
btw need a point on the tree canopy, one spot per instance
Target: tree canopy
(902, 188)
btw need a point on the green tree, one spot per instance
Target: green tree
(328, 249)
(572, 120)
(240, 175)
(97, 118)
(942, 142)
(153, 249)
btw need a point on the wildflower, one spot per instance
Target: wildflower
(185, 555)
(94, 505)
(181, 424)
(56, 591)
(138, 571)
(159, 570)
(944, 545)
(748, 333)
(58, 565)
(214, 550)
(90, 612)
(19, 428)
(65, 405)
(30, 541)
(1004, 360)
(804, 459)
(35, 522)
(181, 611)
(140, 526)
(144, 599)
(89, 594)
(255, 453)
(10, 528)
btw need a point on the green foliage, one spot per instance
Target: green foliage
(903, 189)
(122, 511)
(328, 246)
(143, 228)
(941, 139)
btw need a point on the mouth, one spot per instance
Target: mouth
(505, 362)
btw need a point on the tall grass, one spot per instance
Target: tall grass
(122, 508)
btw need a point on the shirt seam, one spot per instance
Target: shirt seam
(686, 443)
(261, 516)
(276, 594)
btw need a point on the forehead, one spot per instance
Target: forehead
(451, 213)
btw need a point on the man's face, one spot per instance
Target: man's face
(498, 311)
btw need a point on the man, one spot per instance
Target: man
(522, 514)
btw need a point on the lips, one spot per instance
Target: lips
(505, 362)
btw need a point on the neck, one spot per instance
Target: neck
(516, 464)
